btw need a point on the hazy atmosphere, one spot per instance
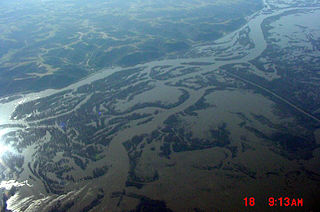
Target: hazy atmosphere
(159, 105)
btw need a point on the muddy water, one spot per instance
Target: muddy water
(255, 34)
(116, 154)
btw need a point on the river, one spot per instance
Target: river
(116, 151)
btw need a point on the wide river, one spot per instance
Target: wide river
(255, 34)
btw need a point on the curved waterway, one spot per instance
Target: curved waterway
(255, 34)
(116, 151)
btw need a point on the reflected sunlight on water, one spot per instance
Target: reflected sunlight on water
(3, 147)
